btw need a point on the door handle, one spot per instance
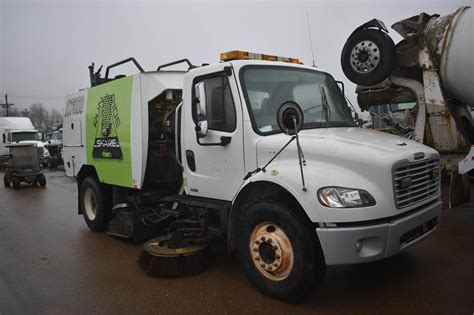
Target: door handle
(190, 160)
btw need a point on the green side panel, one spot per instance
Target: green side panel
(108, 131)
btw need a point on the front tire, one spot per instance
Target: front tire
(5, 181)
(281, 253)
(42, 180)
(95, 207)
(15, 183)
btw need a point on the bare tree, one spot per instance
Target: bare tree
(42, 119)
(39, 116)
(56, 117)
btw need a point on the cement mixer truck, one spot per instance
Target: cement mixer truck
(431, 68)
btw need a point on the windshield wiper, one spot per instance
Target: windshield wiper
(326, 108)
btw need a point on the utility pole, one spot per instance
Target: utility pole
(6, 105)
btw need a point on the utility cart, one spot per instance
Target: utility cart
(23, 166)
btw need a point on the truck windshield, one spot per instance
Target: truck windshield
(267, 88)
(57, 135)
(25, 136)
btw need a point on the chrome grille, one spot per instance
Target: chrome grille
(423, 180)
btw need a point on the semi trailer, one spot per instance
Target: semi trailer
(259, 150)
(431, 68)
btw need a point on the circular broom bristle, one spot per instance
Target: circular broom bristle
(162, 263)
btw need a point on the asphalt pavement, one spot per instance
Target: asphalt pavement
(51, 263)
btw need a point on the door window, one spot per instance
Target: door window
(220, 106)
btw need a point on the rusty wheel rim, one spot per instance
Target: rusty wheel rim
(90, 204)
(271, 251)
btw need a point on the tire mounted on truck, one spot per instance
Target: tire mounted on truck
(94, 207)
(281, 254)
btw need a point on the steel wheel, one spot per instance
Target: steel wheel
(90, 204)
(280, 250)
(271, 251)
(365, 56)
(368, 57)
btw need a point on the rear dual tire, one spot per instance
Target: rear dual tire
(280, 252)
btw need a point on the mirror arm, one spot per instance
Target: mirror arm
(225, 140)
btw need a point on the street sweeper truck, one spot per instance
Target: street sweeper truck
(428, 78)
(258, 149)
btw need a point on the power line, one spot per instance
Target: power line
(38, 96)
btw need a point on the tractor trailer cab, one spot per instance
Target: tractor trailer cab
(259, 149)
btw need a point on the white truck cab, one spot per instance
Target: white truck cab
(20, 130)
(339, 194)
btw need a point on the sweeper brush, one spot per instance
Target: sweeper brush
(158, 260)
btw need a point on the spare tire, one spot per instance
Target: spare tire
(368, 57)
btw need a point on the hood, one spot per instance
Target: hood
(348, 146)
(39, 144)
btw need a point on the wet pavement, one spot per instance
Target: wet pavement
(51, 263)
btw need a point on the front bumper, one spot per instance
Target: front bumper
(368, 242)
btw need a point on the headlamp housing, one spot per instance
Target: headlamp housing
(340, 197)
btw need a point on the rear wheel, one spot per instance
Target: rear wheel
(368, 57)
(280, 252)
(95, 206)
(42, 180)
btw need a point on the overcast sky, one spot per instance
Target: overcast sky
(46, 46)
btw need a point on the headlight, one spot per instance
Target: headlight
(338, 197)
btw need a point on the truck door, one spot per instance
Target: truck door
(214, 162)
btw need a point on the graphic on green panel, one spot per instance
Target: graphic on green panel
(106, 122)
(108, 131)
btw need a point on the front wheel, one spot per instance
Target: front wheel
(15, 183)
(281, 254)
(94, 205)
(5, 181)
(42, 180)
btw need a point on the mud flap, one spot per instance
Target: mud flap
(459, 189)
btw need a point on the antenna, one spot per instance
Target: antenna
(310, 38)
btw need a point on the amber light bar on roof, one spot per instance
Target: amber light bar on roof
(245, 55)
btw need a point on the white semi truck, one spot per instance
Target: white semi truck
(432, 68)
(20, 130)
(259, 149)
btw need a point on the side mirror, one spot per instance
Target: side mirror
(201, 125)
(4, 138)
(290, 118)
